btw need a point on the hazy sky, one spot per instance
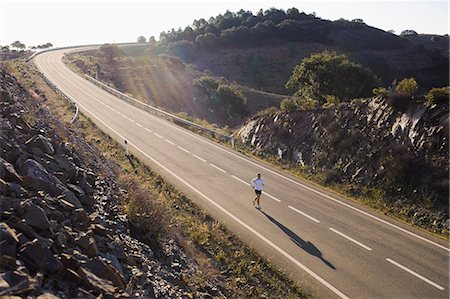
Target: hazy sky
(82, 22)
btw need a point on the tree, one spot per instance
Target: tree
(110, 52)
(407, 87)
(438, 95)
(408, 32)
(18, 45)
(328, 74)
(141, 40)
(232, 100)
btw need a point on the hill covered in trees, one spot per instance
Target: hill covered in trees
(260, 50)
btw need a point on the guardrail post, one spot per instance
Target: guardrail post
(232, 142)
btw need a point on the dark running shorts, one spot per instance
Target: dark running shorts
(258, 192)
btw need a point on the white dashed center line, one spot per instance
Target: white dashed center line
(149, 130)
(201, 159)
(168, 141)
(218, 168)
(157, 135)
(304, 214)
(350, 239)
(183, 149)
(240, 180)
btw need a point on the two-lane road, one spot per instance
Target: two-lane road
(339, 248)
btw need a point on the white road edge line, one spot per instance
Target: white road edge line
(270, 243)
(183, 149)
(271, 171)
(200, 158)
(415, 274)
(168, 141)
(350, 239)
(217, 167)
(240, 180)
(304, 214)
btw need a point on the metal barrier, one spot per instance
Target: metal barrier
(156, 111)
(54, 86)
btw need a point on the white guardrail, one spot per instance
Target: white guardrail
(157, 111)
(54, 86)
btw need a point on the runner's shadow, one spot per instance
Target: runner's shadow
(306, 246)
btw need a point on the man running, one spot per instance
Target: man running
(258, 185)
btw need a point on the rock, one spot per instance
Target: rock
(47, 296)
(34, 174)
(54, 264)
(71, 198)
(18, 281)
(88, 244)
(78, 190)
(100, 230)
(9, 240)
(97, 284)
(8, 172)
(36, 217)
(35, 255)
(71, 276)
(66, 165)
(41, 143)
(80, 217)
(105, 271)
(4, 285)
(69, 261)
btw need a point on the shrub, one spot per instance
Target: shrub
(288, 105)
(407, 87)
(438, 95)
(331, 101)
(380, 92)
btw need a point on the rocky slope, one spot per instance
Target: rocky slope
(62, 233)
(394, 151)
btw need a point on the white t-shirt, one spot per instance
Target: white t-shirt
(258, 184)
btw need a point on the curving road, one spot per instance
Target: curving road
(329, 244)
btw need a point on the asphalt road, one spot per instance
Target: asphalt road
(323, 241)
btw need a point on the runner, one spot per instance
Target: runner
(258, 185)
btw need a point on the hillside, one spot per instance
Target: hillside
(261, 50)
(166, 82)
(390, 153)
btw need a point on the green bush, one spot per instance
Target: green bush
(288, 105)
(380, 92)
(329, 73)
(438, 95)
(407, 87)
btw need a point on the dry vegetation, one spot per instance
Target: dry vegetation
(158, 208)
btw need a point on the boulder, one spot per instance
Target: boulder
(9, 240)
(95, 283)
(35, 175)
(68, 196)
(35, 216)
(8, 172)
(106, 271)
(18, 281)
(8, 244)
(87, 243)
(35, 255)
(40, 142)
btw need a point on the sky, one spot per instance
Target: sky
(65, 23)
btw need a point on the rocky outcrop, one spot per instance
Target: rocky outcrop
(397, 146)
(62, 232)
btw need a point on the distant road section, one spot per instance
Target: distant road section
(332, 245)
